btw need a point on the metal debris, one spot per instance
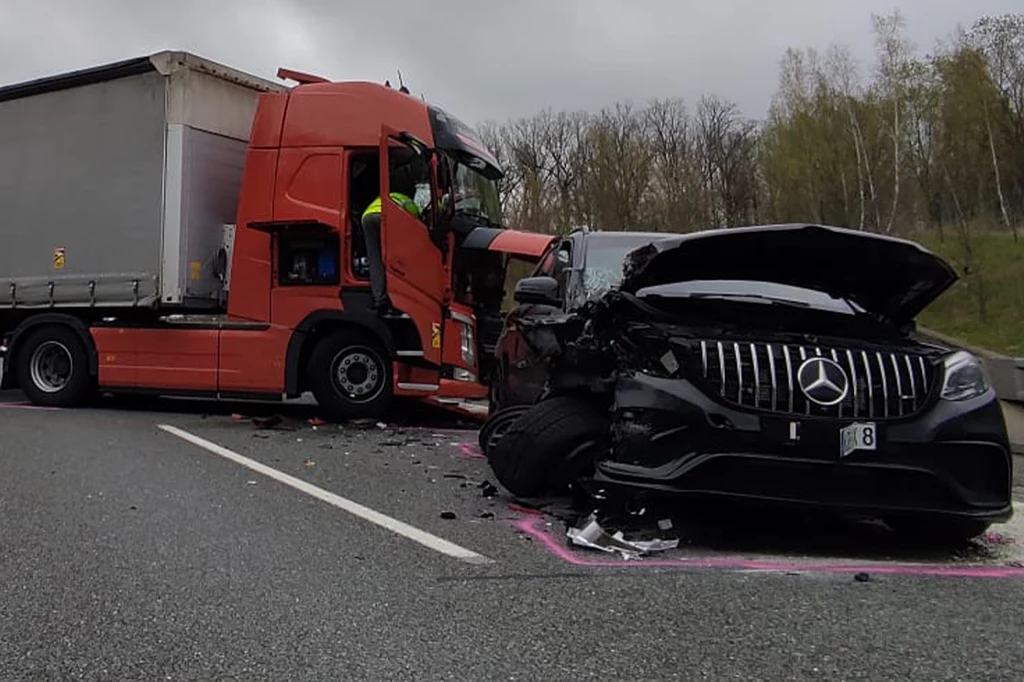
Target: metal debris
(592, 536)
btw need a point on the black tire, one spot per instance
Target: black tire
(951, 532)
(548, 446)
(368, 393)
(52, 366)
(496, 425)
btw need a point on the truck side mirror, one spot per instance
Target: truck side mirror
(540, 290)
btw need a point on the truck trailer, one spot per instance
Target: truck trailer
(177, 227)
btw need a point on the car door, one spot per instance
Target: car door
(415, 267)
(521, 371)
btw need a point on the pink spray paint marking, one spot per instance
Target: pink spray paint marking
(532, 527)
(469, 450)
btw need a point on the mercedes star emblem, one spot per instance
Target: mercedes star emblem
(823, 381)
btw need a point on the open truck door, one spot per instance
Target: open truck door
(416, 267)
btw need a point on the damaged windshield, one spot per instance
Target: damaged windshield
(605, 252)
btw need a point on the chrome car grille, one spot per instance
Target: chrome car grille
(763, 376)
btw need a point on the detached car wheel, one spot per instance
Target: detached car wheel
(350, 376)
(547, 446)
(497, 424)
(53, 367)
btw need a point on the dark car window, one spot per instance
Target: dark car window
(546, 265)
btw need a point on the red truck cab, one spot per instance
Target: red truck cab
(298, 315)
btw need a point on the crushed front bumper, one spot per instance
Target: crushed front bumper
(953, 459)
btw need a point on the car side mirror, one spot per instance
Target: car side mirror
(542, 290)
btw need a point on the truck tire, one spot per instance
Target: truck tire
(350, 376)
(540, 453)
(52, 366)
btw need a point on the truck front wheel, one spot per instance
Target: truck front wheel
(350, 376)
(53, 367)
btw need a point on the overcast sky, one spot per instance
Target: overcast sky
(481, 60)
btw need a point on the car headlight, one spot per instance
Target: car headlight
(964, 377)
(468, 345)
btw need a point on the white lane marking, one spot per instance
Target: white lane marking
(395, 526)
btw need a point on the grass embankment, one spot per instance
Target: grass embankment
(995, 280)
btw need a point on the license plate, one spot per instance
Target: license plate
(860, 436)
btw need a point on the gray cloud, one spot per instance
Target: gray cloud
(482, 60)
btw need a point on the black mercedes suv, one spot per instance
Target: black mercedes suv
(771, 363)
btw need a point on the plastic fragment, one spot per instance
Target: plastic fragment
(591, 535)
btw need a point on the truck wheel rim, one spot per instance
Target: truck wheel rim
(358, 374)
(51, 366)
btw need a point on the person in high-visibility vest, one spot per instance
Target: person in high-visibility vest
(374, 257)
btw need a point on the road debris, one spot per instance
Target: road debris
(862, 577)
(592, 536)
(309, 463)
(448, 515)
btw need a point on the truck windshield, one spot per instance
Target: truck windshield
(476, 196)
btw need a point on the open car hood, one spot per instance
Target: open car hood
(892, 278)
(528, 246)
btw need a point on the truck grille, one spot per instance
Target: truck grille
(763, 376)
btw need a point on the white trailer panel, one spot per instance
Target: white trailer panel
(115, 182)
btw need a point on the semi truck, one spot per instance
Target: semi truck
(173, 226)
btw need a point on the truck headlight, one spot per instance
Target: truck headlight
(964, 377)
(468, 345)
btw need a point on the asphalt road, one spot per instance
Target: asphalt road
(129, 552)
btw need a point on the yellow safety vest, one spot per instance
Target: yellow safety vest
(402, 200)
